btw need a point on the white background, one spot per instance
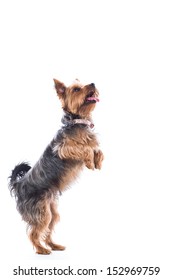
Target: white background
(121, 215)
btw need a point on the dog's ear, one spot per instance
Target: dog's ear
(60, 88)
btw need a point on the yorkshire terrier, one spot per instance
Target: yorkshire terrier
(74, 146)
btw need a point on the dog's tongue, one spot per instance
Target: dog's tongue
(93, 98)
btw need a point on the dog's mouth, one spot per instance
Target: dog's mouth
(91, 98)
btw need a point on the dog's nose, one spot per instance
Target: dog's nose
(92, 85)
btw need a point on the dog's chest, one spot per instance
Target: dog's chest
(85, 137)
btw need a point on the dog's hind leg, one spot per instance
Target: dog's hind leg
(54, 220)
(39, 229)
(35, 236)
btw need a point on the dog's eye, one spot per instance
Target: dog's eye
(76, 89)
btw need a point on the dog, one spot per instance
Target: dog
(74, 146)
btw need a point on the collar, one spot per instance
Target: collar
(83, 121)
(71, 119)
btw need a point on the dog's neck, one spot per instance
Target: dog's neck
(70, 119)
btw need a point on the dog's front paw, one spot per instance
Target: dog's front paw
(89, 164)
(98, 158)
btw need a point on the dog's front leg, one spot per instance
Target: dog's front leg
(88, 157)
(98, 158)
(76, 151)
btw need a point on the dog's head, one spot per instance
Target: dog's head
(77, 99)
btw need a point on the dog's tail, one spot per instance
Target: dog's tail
(17, 173)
